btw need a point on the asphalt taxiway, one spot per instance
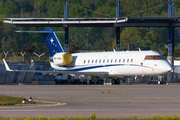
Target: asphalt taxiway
(104, 101)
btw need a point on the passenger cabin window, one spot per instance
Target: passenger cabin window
(111, 60)
(96, 61)
(115, 60)
(123, 60)
(107, 60)
(99, 61)
(84, 61)
(131, 60)
(127, 60)
(119, 60)
(88, 61)
(92, 61)
(103, 61)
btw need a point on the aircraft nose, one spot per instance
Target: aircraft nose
(168, 68)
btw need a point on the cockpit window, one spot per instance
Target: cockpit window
(148, 58)
(156, 57)
(162, 56)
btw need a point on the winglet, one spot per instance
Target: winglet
(6, 65)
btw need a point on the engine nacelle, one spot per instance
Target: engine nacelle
(62, 59)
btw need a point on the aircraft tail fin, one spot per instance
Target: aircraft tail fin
(52, 41)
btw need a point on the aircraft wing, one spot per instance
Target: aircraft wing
(55, 72)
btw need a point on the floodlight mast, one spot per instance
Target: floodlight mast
(170, 56)
(118, 28)
(66, 28)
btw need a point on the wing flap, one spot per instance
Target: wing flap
(56, 72)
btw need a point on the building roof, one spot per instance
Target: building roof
(95, 22)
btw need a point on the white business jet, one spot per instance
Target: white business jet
(101, 64)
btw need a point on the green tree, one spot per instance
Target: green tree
(10, 8)
(138, 38)
(86, 38)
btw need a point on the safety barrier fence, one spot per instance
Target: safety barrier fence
(27, 77)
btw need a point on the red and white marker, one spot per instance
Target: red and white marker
(23, 101)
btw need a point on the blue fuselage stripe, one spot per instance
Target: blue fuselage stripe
(97, 66)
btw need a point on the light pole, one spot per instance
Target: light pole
(39, 55)
(23, 56)
(6, 53)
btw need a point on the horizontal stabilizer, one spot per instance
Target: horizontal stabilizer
(40, 31)
(6, 65)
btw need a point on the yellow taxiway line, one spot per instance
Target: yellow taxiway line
(113, 92)
(47, 104)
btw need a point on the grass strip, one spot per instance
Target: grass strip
(9, 100)
(93, 117)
